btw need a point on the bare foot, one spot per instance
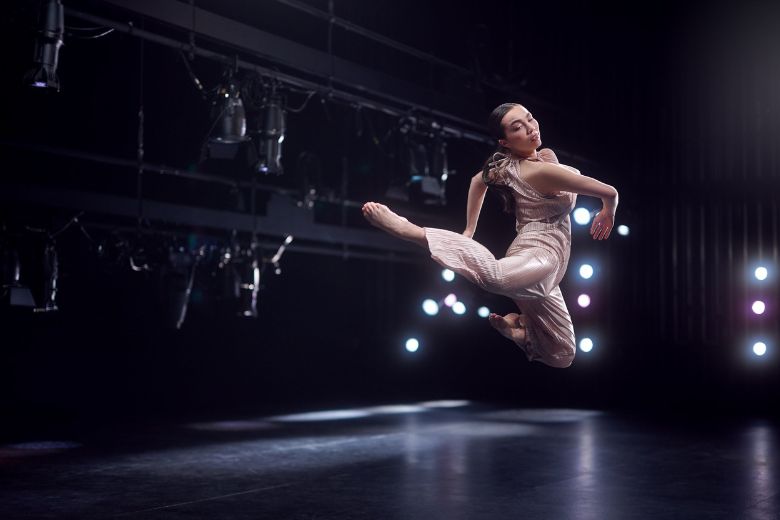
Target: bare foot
(382, 217)
(511, 326)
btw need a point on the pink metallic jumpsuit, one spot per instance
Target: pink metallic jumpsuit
(532, 268)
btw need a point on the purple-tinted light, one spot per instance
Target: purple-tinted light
(450, 300)
(583, 300)
(759, 307)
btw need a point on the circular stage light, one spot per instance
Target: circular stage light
(583, 300)
(761, 273)
(448, 275)
(483, 312)
(581, 216)
(458, 308)
(430, 307)
(759, 348)
(622, 230)
(586, 344)
(450, 300)
(759, 307)
(412, 345)
(586, 271)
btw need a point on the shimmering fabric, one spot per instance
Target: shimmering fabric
(533, 266)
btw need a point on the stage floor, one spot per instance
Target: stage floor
(434, 460)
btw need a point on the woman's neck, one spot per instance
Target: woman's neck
(534, 156)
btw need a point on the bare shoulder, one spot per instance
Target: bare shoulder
(545, 177)
(548, 154)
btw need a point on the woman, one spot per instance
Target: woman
(541, 193)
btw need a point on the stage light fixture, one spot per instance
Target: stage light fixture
(581, 216)
(761, 273)
(583, 300)
(622, 230)
(412, 345)
(270, 134)
(483, 312)
(248, 268)
(229, 114)
(448, 275)
(46, 297)
(430, 307)
(759, 348)
(586, 344)
(12, 291)
(450, 299)
(459, 308)
(758, 307)
(586, 271)
(47, 47)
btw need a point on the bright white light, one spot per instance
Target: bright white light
(483, 312)
(430, 307)
(328, 415)
(586, 344)
(759, 307)
(448, 275)
(581, 216)
(412, 345)
(444, 177)
(583, 300)
(396, 408)
(445, 403)
(622, 230)
(458, 308)
(450, 300)
(761, 273)
(586, 271)
(759, 348)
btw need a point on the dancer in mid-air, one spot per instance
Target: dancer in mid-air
(541, 193)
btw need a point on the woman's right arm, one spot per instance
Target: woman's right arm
(554, 177)
(476, 196)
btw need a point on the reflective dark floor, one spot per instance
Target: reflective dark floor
(434, 460)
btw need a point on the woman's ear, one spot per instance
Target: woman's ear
(502, 142)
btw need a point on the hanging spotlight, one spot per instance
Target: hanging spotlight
(47, 47)
(47, 291)
(247, 266)
(270, 134)
(12, 291)
(229, 114)
(428, 177)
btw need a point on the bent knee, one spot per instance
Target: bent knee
(561, 360)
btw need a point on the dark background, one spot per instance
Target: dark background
(675, 106)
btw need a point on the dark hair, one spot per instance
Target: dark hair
(490, 178)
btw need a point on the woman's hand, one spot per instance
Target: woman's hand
(602, 225)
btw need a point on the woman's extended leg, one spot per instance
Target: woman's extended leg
(528, 274)
(380, 216)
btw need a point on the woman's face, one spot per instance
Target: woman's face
(521, 131)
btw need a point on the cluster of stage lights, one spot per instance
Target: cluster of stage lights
(758, 307)
(587, 271)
